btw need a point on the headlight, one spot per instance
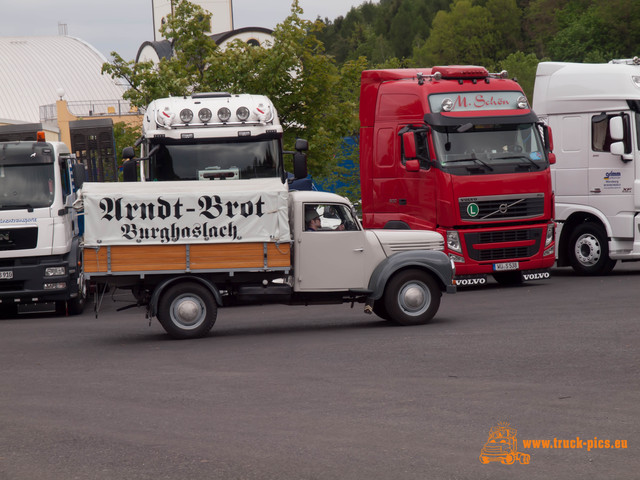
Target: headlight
(550, 234)
(224, 114)
(204, 115)
(54, 271)
(453, 241)
(456, 258)
(243, 114)
(186, 115)
(522, 102)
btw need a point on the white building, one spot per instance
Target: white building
(221, 31)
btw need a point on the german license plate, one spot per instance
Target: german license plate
(6, 274)
(502, 267)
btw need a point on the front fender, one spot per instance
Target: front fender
(436, 262)
(155, 296)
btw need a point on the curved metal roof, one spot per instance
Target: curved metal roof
(33, 69)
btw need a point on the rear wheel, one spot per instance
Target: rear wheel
(187, 310)
(412, 297)
(589, 250)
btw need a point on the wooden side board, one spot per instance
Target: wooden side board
(219, 256)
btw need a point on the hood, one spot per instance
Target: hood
(395, 241)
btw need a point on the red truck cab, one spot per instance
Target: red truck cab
(458, 150)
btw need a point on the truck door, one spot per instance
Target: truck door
(418, 199)
(612, 176)
(66, 214)
(330, 252)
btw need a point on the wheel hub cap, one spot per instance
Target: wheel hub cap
(588, 250)
(188, 311)
(413, 298)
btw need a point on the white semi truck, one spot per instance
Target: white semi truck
(40, 254)
(594, 113)
(214, 136)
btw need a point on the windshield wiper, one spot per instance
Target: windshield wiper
(17, 206)
(473, 158)
(518, 157)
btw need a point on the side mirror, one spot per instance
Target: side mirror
(552, 158)
(128, 152)
(302, 145)
(412, 165)
(79, 175)
(409, 145)
(616, 129)
(299, 165)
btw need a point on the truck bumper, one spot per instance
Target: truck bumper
(490, 250)
(38, 279)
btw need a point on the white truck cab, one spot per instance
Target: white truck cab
(40, 254)
(594, 113)
(212, 136)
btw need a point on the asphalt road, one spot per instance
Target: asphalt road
(328, 392)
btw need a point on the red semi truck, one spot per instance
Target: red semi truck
(458, 150)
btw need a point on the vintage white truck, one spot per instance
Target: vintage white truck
(187, 248)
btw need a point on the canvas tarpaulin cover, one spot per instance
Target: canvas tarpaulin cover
(158, 213)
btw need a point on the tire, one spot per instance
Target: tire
(412, 297)
(187, 310)
(380, 309)
(508, 279)
(75, 306)
(589, 250)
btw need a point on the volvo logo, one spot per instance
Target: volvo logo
(503, 208)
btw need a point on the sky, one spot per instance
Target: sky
(123, 25)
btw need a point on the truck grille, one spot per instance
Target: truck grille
(501, 207)
(18, 238)
(503, 253)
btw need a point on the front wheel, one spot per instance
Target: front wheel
(412, 297)
(589, 250)
(187, 310)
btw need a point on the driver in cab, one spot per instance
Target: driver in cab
(313, 222)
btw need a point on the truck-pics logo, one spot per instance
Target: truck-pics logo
(502, 446)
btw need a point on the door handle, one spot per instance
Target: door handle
(358, 250)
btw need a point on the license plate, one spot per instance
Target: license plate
(6, 274)
(501, 267)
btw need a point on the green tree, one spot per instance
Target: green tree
(596, 31)
(463, 35)
(522, 67)
(303, 82)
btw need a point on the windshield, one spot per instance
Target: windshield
(482, 149)
(224, 160)
(26, 186)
